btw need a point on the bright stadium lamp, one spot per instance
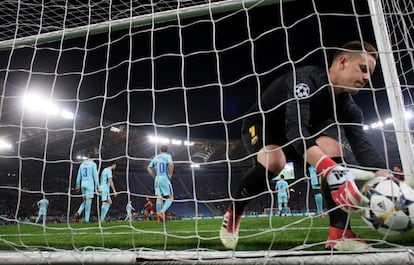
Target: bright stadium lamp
(32, 102)
(5, 145)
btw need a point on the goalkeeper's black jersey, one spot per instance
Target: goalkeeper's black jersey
(300, 105)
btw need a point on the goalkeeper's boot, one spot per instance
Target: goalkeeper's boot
(76, 217)
(229, 230)
(341, 240)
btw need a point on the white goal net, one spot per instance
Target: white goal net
(121, 78)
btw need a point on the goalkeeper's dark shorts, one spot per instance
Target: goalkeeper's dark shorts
(253, 140)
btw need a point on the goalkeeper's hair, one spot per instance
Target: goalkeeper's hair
(356, 46)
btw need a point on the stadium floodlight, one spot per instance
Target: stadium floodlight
(176, 142)
(389, 121)
(378, 124)
(165, 140)
(67, 115)
(115, 129)
(188, 143)
(36, 103)
(5, 145)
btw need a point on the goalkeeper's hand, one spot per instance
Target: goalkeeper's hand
(341, 182)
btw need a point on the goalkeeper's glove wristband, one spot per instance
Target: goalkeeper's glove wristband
(341, 182)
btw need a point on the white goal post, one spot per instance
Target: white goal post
(115, 64)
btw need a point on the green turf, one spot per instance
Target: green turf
(262, 233)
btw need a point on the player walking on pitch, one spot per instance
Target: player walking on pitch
(87, 180)
(283, 195)
(129, 208)
(161, 169)
(106, 184)
(315, 180)
(42, 205)
(148, 209)
(304, 108)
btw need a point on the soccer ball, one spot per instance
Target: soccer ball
(391, 205)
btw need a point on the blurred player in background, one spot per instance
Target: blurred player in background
(283, 195)
(42, 206)
(161, 169)
(87, 180)
(148, 209)
(129, 208)
(107, 184)
(302, 113)
(316, 187)
(398, 172)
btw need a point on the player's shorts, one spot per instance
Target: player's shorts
(105, 195)
(42, 211)
(163, 188)
(282, 198)
(88, 192)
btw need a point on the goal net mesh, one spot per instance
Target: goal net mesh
(120, 78)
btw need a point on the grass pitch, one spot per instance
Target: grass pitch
(256, 233)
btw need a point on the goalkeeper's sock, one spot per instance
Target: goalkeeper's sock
(167, 205)
(87, 211)
(253, 182)
(337, 218)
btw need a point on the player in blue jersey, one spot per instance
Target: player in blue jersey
(298, 118)
(106, 184)
(316, 187)
(87, 181)
(161, 169)
(283, 195)
(42, 205)
(129, 208)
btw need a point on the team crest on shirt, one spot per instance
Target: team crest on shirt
(301, 90)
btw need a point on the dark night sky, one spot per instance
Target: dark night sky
(220, 87)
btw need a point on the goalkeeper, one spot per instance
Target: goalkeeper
(302, 113)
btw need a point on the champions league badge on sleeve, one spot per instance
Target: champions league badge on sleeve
(302, 90)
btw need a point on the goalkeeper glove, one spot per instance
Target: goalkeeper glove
(341, 182)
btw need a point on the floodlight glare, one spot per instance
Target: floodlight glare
(67, 115)
(5, 145)
(32, 102)
(176, 142)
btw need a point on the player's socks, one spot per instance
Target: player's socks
(37, 219)
(81, 208)
(318, 201)
(87, 211)
(104, 211)
(253, 182)
(158, 206)
(286, 210)
(167, 205)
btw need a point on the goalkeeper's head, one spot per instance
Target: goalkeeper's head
(352, 66)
